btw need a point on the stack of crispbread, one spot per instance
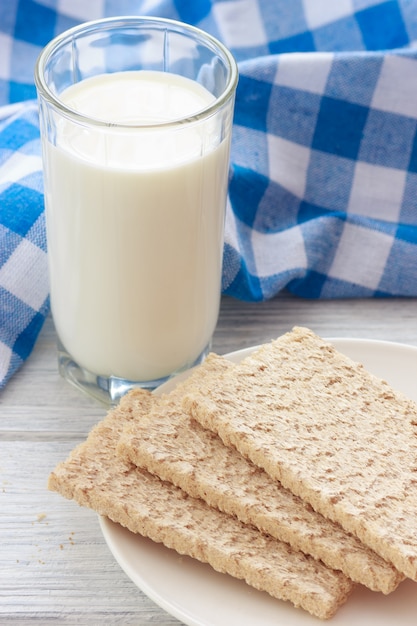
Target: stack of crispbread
(228, 467)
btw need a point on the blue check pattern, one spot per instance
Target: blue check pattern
(323, 178)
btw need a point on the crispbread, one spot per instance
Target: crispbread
(168, 443)
(96, 477)
(332, 433)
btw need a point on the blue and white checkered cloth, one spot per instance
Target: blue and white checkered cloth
(323, 187)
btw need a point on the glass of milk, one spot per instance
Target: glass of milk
(136, 117)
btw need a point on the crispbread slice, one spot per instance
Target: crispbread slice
(168, 443)
(96, 477)
(337, 436)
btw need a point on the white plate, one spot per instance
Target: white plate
(198, 596)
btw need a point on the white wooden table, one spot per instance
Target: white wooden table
(55, 566)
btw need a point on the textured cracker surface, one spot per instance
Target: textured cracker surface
(94, 476)
(332, 433)
(168, 443)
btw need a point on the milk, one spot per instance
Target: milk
(135, 226)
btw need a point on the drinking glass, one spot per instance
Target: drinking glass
(136, 118)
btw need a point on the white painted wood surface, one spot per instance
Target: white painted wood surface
(54, 564)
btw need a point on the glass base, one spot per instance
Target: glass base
(109, 390)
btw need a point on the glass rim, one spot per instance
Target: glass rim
(106, 24)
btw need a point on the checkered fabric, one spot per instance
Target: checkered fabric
(323, 181)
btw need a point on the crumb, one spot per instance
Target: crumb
(41, 517)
